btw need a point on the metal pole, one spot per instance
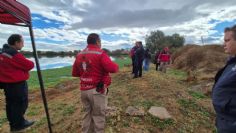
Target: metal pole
(40, 78)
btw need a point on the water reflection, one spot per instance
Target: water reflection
(56, 62)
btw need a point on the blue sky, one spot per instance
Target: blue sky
(63, 25)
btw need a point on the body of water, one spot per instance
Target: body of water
(55, 62)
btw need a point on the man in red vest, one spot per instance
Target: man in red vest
(164, 58)
(93, 66)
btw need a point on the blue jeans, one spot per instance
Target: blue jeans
(16, 102)
(146, 64)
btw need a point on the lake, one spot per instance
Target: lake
(55, 62)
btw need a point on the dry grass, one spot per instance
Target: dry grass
(153, 89)
(203, 60)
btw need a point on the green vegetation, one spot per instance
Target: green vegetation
(3, 119)
(179, 74)
(52, 77)
(162, 124)
(157, 40)
(122, 61)
(197, 95)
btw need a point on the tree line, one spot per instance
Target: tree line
(157, 40)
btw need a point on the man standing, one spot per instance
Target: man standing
(138, 60)
(164, 58)
(132, 51)
(93, 66)
(224, 89)
(14, 71)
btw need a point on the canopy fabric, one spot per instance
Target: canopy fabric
(15, 13)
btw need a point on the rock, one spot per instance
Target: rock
(133, 111)
(203, 88)
(60, 86)
(159, 112)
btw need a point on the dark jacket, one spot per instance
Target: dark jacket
(224, 91)
(139, 54)
(147, 54)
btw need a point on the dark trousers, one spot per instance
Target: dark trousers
(225, 126)
(157, 66)
(138, 68)
(133, 64)
(16, 102)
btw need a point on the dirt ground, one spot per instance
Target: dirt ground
(191, 111)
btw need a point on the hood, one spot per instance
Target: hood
(9, 50)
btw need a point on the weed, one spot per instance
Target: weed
(177, 73)
(68, 110)
(197, 95)
(126, 124)
(3, 119)
(41, 122)
(137, 119)
(162, 124)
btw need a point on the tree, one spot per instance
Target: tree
(107, 51)
(157, 41)
(177, 40)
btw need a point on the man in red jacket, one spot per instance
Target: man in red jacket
(93, 66)
(164, 58)
(14, 71)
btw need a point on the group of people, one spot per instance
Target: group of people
(141, 59)
(92, 66)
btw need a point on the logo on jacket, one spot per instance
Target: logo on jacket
(85, 64)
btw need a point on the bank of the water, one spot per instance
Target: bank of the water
(52, 77)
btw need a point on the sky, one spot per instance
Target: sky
(63, 25)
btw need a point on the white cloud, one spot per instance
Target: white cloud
(131, 19)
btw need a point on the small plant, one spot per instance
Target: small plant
(162, 124)
(3, 119)
(126, 124)
(137, 119)
(69, 110)
(197, 95)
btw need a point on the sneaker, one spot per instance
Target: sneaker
(25, 125)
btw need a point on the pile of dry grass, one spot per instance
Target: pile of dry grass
(202, 59)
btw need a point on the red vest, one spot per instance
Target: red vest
(14, 68)
(164, 57)
(93, 65)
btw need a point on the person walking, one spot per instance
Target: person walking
(224, 89)
(92, 66)
(14, 71)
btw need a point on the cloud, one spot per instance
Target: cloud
(130, 20)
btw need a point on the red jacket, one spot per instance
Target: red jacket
(14, 68)
(164, 57)
(93, 65)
